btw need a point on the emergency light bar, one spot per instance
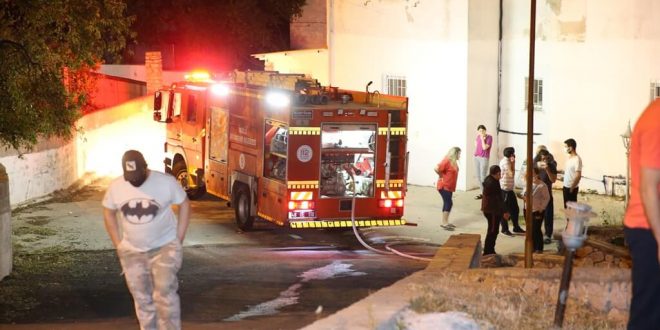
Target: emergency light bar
(198, 76)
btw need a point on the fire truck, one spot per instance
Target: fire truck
(283, 148)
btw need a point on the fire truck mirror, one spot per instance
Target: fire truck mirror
(158, 103)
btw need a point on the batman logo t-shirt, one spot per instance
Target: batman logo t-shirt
(140, 210)
(145, 212)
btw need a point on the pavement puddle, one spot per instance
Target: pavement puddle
(290, 295)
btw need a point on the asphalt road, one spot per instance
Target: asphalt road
(269, 278)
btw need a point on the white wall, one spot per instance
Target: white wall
(483, 34)
(96, 148)
(596, 59)
(139, 73)
(312, 62)
(427, 44)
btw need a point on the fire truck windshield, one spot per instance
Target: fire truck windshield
(347, 160)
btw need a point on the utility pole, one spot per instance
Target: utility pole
(529, 245)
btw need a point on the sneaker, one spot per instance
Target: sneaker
(451, 225)
(547, 240)
(447, 228)
(480, 196)
(508, 233)
(518, 230)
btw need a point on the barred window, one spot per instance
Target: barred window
(655, 89)
(396, 85)
(538, 94)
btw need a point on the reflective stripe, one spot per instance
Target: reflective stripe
(304, 130)
(346, 223)
(393, 183)
(301, 195)
(303, 184)
(393, 131)
(392, 194)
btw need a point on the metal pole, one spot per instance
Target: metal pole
(563, 288)
(625, 206)
(529, 245)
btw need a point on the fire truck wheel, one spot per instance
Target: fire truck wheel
(181, 174)
(242, 207)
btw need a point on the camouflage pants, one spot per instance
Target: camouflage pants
(151, 278)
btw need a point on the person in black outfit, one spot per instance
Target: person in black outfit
(547, 165)
(493, 207)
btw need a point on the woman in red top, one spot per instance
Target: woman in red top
(447, 171)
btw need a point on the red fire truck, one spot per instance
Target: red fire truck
(282, 148)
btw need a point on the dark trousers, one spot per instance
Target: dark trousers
(548, 218)
(644, 307)
(491, 235)
(570, 196)
(446, 200)
(512, 206)
(537, 235)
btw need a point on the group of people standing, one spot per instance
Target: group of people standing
(499, 202)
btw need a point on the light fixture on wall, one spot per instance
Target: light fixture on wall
(626, 144)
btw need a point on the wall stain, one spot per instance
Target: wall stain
(563, 20)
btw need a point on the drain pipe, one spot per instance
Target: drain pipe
(499, 72)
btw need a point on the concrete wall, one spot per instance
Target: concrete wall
(6, 250)
(596, 59)
(97, 147)
(309, 30)
(312, 62)
(139, 73)
(483, 34)
(111, 91)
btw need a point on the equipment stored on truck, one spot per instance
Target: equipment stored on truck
(283, 148)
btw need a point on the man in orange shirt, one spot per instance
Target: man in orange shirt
(642, 220)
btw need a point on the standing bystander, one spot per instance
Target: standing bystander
(572, 172)
(149, 246)
(547, 166)
(540, 199)
(508, 167)
(642, 220)
(482, 145)
(447, 171)
(493, 207)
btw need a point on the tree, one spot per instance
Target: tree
(47, 49)
(219, 33)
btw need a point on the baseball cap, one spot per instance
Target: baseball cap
(134, 166)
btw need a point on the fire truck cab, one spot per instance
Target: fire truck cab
(282, 148)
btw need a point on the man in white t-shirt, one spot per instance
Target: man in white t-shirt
(149, 246)
(572, 172)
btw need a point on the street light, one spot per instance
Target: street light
(626, 144)
(573, 237)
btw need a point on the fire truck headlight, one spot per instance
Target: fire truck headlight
(278, 99)
(220, 89)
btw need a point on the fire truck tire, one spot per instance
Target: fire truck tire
(242, 205)
(181, 174)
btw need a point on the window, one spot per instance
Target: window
(276, 142)
(176, 105)
(347, 160)
(655, 90)
(191, 114)
(395, 85)
(218, 141)
(538, 94)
